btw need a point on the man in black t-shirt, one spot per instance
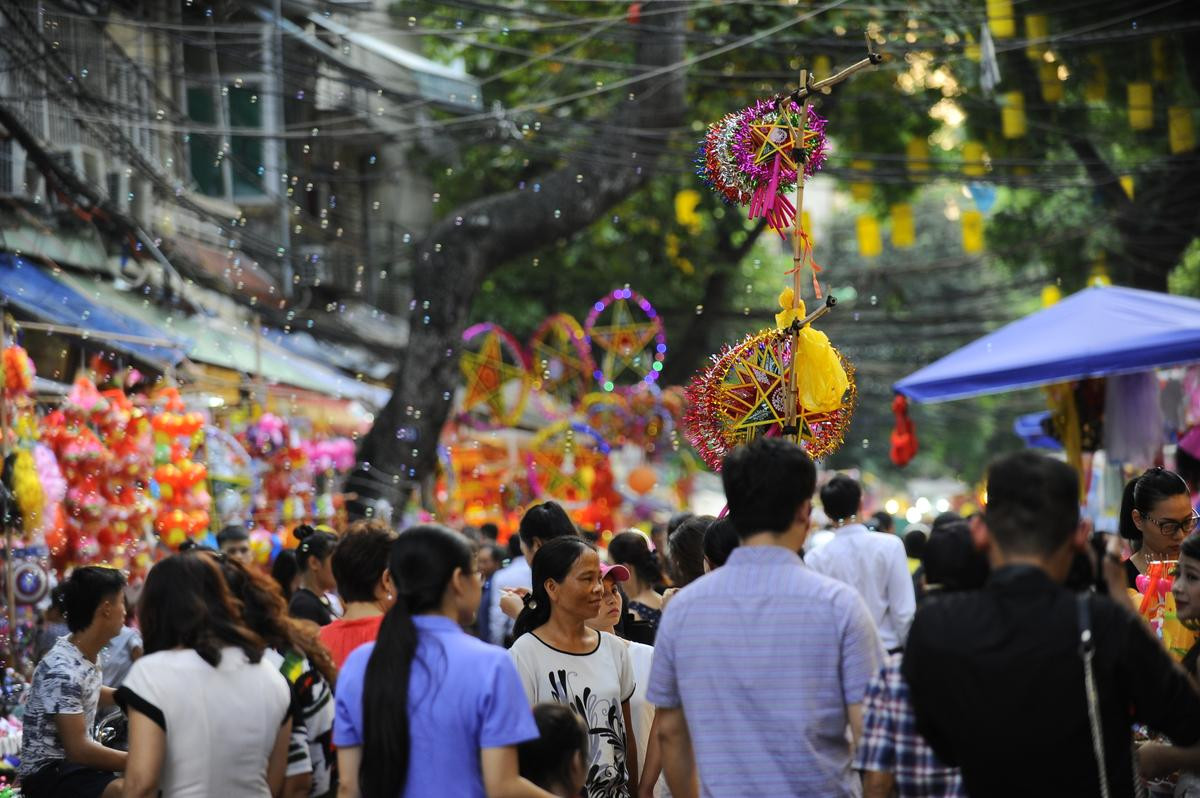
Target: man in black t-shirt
(997, 675)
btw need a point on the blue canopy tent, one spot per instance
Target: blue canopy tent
(38, 293)
(1097, 332)
(1031, 428)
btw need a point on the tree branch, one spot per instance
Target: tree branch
(698, 341)
(1106, 181)
(470, 242)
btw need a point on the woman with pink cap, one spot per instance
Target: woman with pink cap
(612, 609)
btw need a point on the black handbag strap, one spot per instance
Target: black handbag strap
(1087, 651)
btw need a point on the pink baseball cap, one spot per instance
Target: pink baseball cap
(618, 573)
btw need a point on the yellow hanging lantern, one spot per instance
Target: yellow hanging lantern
(1000, 19)
(1160, 70)
(973, 165)
(972, 231)
(1037, 31)
(870, 242)
(1099, 275)
(1095, 90)
(972, 50)
(904, 233)
(685, 209)
(1180, 131)
(1051, 295)
(1141, 105)
(917, 156)
(1052, 88)
(1127, 185)
(860, 189)
(1012, 115)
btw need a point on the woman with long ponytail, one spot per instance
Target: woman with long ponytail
(427, 709)
(561, 659)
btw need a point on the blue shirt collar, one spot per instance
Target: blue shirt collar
(763, 555)
(435, 623)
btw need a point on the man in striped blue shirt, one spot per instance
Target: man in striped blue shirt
(761, 666)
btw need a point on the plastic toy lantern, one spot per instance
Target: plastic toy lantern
(1156, 605)
(642, 480)
(261, 545)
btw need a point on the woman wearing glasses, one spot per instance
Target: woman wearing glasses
(1156, 515)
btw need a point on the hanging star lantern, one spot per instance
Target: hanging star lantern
(561, 362)
(494, 370)
(789, 381)
(744, 395)
(775, 140)
(627, 336)
(751, 158)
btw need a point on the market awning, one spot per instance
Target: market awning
(1097, 332)
(451, 87)
(233, 268)
(36, 292)
(230, 345)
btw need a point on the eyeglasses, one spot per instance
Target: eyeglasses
(1171, 527)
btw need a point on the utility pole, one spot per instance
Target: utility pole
(274, 145)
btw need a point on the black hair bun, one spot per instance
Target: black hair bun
(303, 531)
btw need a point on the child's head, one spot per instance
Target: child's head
(1186, 586)
(556, 761)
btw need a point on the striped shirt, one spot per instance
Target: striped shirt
(764, 656)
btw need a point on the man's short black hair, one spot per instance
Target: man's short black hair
(841, 497)
(766, 482)
(489, 531)
(234, 533)
(883, 521)
(1032, 503)
(951, 560)
(914, 544)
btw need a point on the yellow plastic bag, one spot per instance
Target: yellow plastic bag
(821, 380)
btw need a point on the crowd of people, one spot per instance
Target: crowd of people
(993, 656)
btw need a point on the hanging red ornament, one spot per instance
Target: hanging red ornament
(904, 435)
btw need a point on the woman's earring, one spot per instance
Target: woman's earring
(389, 597)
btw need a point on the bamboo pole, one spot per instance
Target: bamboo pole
(828, 83)
(802, 94)
(10, 588)
(793, 426)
